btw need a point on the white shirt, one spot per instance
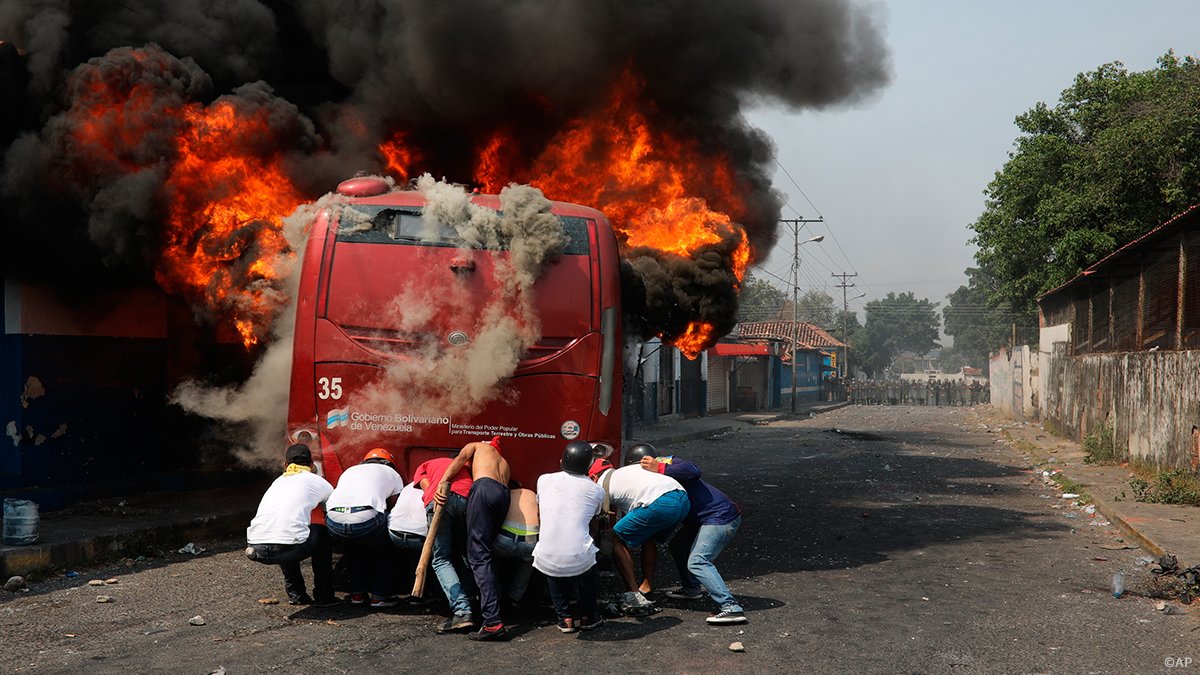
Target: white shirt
(286, 508)
(633, 487)
(567, 504)
(363, 485)
(408, 515)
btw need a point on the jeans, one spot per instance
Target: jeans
(288, 557)
(408, 555)
(446, 564)
(694, 549)
(369, 553)
(522, 553)
(560, 590)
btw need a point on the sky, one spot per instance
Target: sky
(900, 177)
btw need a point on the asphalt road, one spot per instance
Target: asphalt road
(886, 539)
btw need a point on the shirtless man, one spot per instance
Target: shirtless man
(517, 537)
(487, 505)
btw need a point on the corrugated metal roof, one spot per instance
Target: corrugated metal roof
(1185, 219)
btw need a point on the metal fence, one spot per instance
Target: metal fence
(934, 393)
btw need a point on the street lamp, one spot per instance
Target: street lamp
(796, 291)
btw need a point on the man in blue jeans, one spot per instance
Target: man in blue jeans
(356, 515)
(447, 562)
(711, 522)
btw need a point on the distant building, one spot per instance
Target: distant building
(818, 356)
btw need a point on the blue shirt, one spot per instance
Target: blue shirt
(710, 506)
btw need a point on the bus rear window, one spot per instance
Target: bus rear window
(364, 224)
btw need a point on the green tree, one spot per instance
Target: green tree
(759, 299)
(978, 322)
(895, 324)
(815, 307)
(1118, 155)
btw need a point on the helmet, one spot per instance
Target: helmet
(379, 454)
(577, 457)
(598, 467)
(635, 454)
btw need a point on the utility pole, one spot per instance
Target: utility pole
(795, 223)
(845, 326)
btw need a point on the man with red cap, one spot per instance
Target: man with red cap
(356, 515)
(487, 505)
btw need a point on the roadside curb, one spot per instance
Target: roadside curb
(1158, 529)
(23, 560)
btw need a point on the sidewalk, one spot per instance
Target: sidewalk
(1158, 528)
(122, 526)
(673, 432)
(114, 527)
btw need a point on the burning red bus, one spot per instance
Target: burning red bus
(350, 330)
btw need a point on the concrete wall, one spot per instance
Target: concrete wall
(1014, 383)
(1150, 399)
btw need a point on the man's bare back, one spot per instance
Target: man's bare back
(484, 460)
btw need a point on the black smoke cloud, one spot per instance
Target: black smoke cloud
(447, 72)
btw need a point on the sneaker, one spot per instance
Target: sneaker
(634, 601)
(686, 593)
(724, 617)
(327, 602)
(357, 598)
(299, 600)
(591, 622)
(567, 625)
(456, 623)
(490, 633)
(383, 603)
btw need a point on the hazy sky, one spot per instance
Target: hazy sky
(900, 177)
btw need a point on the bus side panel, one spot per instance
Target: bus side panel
(301, 410)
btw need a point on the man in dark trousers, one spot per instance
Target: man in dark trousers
(282, 532)
(711, 522)
(487, 504)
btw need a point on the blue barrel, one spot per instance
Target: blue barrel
(20, 522)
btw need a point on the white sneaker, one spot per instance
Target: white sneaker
(634, 600)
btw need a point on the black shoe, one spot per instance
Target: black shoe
(299, 599)
(590, 622)
(456, 623)
(490, 634)
(326, 602)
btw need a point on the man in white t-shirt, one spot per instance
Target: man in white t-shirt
(653, 506)
(407, 528)
(356, 515)
(282, 532)
(565, 551)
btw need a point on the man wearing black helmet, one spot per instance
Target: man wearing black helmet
(711, 522)
(566, 551)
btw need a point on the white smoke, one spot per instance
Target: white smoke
(259, 405)
(460, 381)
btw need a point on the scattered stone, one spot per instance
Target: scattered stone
(72, 574)
(268, 601)
(110, 581)
(737, 647)
(14, 584)
(197, 620)
(96, 582)
(1160, 605)
(103, 598)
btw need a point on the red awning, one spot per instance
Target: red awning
(728, 349)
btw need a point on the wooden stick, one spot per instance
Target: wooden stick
(426, 553)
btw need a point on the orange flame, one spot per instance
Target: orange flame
(695, 339)
(659, 191)
(224, 223)
(399, 156)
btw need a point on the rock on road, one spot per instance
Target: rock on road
(874, 539)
